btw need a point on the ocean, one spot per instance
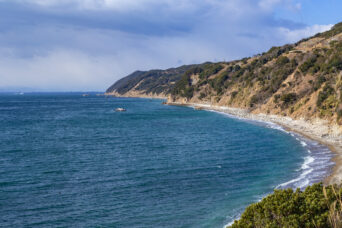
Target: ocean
(72, 161)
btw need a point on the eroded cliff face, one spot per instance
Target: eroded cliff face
(301, 81)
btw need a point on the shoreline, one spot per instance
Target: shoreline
(304, 128)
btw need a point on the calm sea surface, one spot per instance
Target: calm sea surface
(71, 161)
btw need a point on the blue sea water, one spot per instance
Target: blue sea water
(71, 161)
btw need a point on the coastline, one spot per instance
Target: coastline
(312, 131)
(136, 94)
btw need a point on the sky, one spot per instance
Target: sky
(86, 45)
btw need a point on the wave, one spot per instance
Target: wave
(307, 161)
(316, 164)
(303, 143)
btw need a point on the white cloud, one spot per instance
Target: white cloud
(78, 49)
(76, 69)
(129, 5)
(297, 34)
(60, 70)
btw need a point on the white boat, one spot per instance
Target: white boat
(120, 110)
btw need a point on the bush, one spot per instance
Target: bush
(324, 94)
(188, 92)
(194, 70)
(255, 99)
(282, 60)
(182, 85)
(210, 69)
(317, 206)
(201, 96)
(276, 98)
(234, 93)
(308, 64)
(288, 98)
(336, 62)
(320, 80)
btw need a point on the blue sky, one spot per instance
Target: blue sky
(73, 45)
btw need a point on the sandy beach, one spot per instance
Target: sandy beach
(317, 130)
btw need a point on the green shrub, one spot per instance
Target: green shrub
(188, 92)
(288, 98)
(234, 93)
(318, 83)
(308, 64)
(276, 98)
(210, 69)
(255, 99)
(182, 85)
(316, 206)
(282, 60)
(324, 94)
(292, 110)
(194, 70)
(201, 96)
(335, 62)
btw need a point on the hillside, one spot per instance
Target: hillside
(153, 83)
(301, 80)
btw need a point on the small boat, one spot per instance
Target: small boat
(85, 95)
(120, 110)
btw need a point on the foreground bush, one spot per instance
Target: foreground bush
(317, 206)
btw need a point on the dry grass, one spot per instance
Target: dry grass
(335, 208)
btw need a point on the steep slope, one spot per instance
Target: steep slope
(153, 83)
(303, 80)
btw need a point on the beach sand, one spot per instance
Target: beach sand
(317, 130)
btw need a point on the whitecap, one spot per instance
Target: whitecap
(299, 180)
(303, 143)
(307, 161)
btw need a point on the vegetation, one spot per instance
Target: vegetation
(334, 31)
(279, 80)
(324, 94)
(308, 64)
(183, 87)
(210, 69)
(285, 80)
(288, 98)
(153, 81)
(316, 206)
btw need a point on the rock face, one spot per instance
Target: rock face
(301, 81)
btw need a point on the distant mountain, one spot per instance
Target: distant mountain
(153, 83)
(301, 80)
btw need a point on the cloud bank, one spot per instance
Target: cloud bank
(87, 45)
